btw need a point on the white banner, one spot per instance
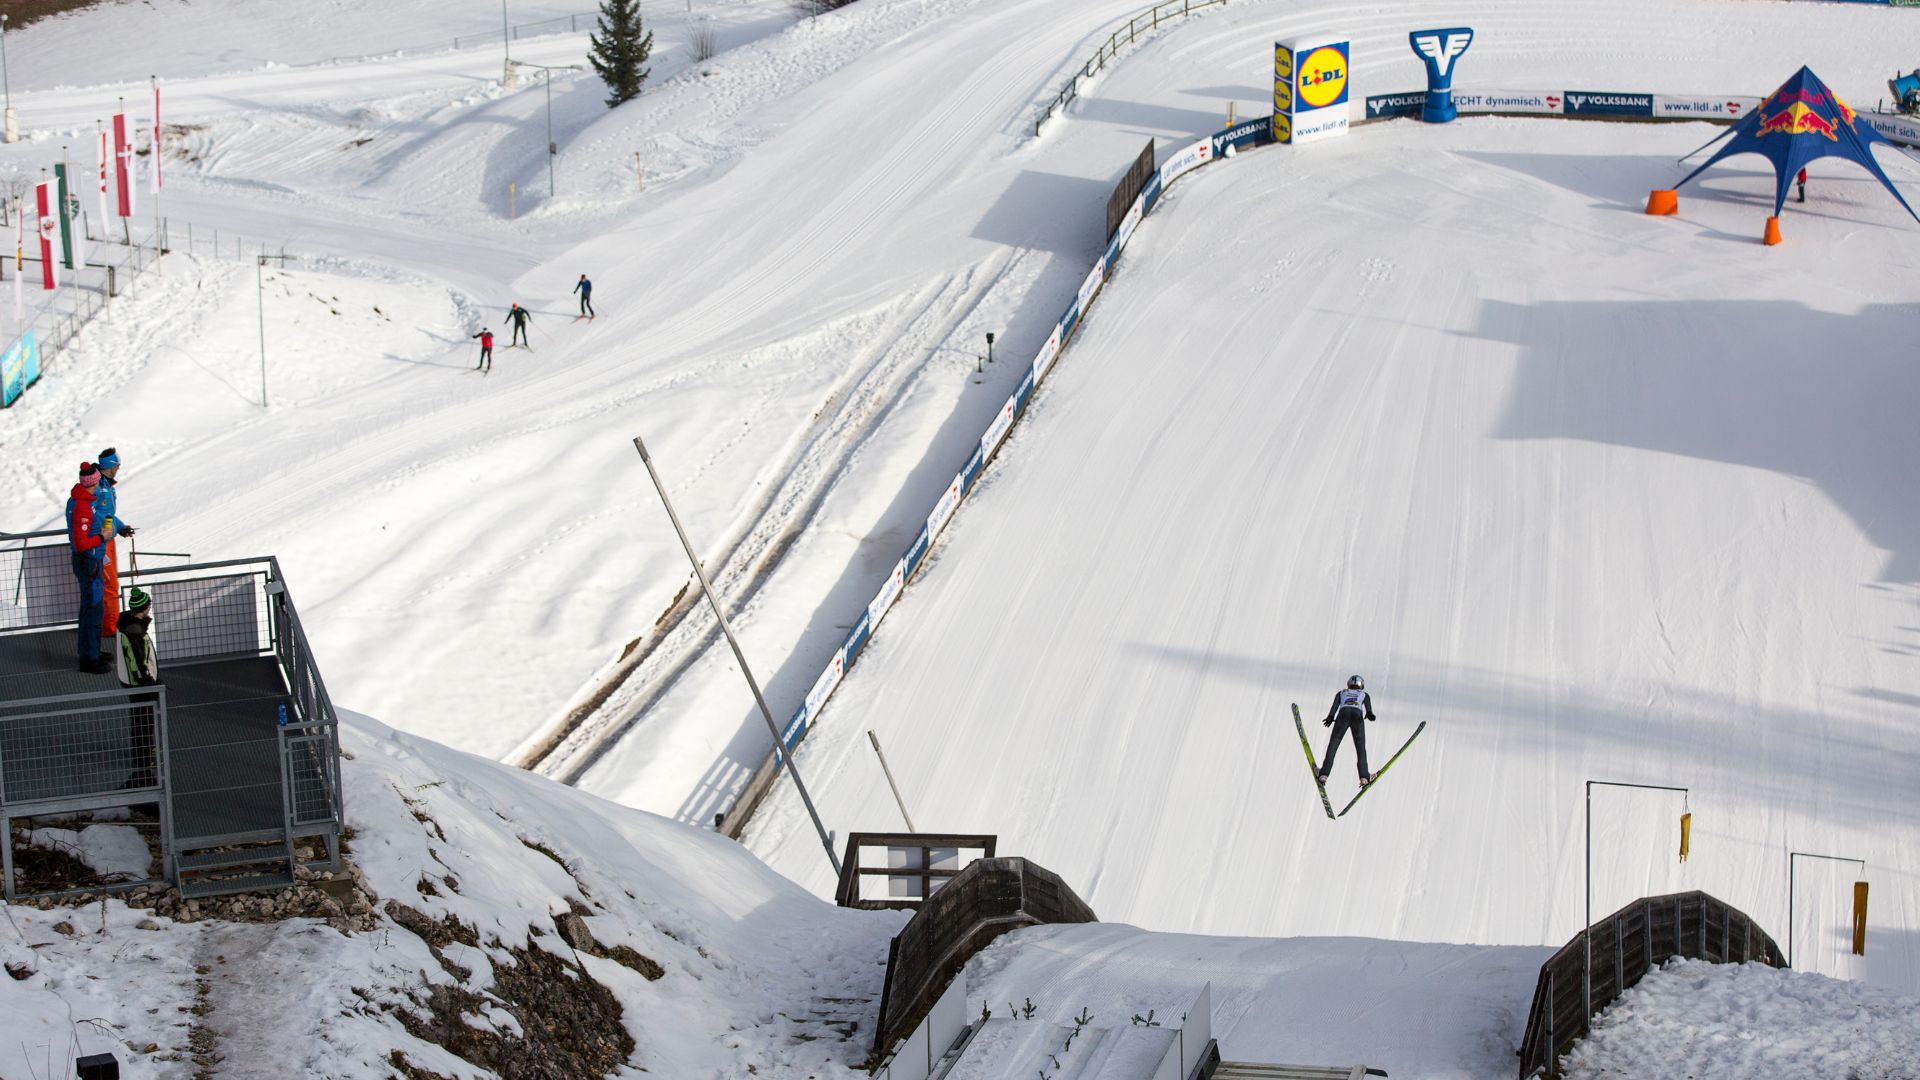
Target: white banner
(1900, 129)
(1185, 161)
(1697, 107)
(1541, 102)
(888, 593)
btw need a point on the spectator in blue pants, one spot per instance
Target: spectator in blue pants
(87, 535)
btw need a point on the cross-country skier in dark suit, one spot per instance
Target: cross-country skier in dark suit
(517, 319)
(1351, 709)
(585, 289)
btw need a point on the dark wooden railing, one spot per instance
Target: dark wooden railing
(983, 901)
(1626, 945)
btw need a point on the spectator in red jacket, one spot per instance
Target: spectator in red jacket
(87, 535)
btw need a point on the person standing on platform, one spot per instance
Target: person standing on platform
(106, 503)
(87, 537)
(137, 662)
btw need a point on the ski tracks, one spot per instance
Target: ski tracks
(796, 487)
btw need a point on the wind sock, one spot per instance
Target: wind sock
(122, 164)
(153, 173)
(49, 222)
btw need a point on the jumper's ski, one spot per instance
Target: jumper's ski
(1383, 769)
(1307, 745)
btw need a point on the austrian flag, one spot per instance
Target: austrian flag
(49, 239)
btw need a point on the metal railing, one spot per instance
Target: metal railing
(1144, 22)
(1626, 945)
(921, 855)
(237, 609)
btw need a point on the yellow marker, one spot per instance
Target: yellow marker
(1686, 828)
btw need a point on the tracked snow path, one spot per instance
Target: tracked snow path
(1599, 496)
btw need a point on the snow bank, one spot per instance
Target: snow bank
(1737, 1021)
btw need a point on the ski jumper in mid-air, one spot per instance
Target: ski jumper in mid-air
(1351, 710)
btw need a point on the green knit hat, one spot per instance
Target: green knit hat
(139, 601)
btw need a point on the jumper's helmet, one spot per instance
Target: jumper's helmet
(1355, 682)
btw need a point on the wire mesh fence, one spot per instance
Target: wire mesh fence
(80, 746)
(311, 771)
(197, 618)
(37, 583)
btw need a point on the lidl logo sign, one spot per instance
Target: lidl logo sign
(1282, 79)
(1323, 77)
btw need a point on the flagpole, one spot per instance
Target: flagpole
(159, 242)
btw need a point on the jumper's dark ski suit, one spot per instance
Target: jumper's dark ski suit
(1351, 709)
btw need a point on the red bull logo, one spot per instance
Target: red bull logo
(1796, 119)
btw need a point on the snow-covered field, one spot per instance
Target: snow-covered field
(1598, 496)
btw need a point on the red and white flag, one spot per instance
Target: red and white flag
(20, 266)
(104, 213)
(49, 237)
(122, 164)
(154, 166)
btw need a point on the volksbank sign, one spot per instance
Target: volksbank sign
(1588, 102)
(1379, 105)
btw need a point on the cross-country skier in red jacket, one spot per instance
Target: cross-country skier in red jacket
(486, 351)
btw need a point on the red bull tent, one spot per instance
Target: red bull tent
(1802, 121)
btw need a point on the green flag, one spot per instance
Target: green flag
(66, 227)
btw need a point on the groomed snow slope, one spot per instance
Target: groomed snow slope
(1596, 495)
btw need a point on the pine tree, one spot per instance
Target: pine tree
(619, 48)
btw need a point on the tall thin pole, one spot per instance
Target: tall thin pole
(727, 629)
(159, 239)
(1792, 855)
(12, 126)
(902, 803)
(1586, 936)
(550, 146)
(506, 46)
(260, 295)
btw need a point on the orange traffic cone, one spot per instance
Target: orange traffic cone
(1772, 235)
(1663, 202)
